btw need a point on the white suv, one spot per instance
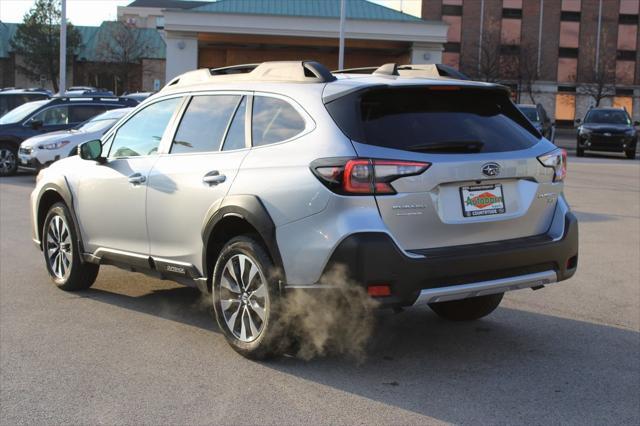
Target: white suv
(253, 181)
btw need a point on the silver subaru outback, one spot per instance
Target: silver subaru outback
(253, 181)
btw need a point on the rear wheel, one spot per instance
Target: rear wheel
(246, 297)
(8, 160)
(467, 309)
(62, 252)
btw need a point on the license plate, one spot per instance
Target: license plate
(482, 200)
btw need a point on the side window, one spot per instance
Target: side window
(274, 120)
(80, 113)
(142, 133)
(235, 137)
(204, 123)
(53, 116)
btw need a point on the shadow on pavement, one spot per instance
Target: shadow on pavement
(511, 367)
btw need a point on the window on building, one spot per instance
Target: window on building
(625, 102)
(455, 23)
(510, 31)
(565, 107)
(625, 71)
(452, 2)
(567, 70)
(629, 7)
(512, 4)
(571, 5)
(627, 37)
(569, 34)
(204, 123)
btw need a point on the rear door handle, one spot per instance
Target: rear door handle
(137, 179)
(214, 178)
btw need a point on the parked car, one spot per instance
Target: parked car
(607, 130)
(250, 186)
(12, 98)
(45, 116)
(540, 119)
(41, 151)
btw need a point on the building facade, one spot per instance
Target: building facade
(231, 32)
(565, 54)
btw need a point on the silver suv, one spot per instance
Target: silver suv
(250, 182)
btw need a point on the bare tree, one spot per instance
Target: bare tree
(528, 71)
(121, 47)
(489, 63)
(602, 86)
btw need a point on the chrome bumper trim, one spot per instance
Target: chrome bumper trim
(481, 288)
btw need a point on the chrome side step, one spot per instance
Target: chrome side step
(481, 288)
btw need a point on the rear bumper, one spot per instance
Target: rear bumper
(459, 272)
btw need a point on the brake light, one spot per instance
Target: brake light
(364, 176)
(557, 160)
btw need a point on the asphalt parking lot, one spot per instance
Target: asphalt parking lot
(134, 350)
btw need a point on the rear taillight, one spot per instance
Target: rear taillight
(557, 160)
(364, 176)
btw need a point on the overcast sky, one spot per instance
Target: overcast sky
(93, 12)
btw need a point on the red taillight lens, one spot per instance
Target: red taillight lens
(379, 290)
(363, 176)
(557, 160)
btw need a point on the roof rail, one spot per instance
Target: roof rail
(289, 71)
(415, 70)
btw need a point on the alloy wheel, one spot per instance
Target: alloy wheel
(59, 247)
(7, 161)
(243, 297)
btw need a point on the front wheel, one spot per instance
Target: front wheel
(467, 309)
(8, 160)
(630, 154)
(246, 298)
(62, 252)
(579, 151)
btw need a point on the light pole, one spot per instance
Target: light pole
(63, 48)
(341, 43)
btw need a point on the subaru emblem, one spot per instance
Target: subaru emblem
(491, 169)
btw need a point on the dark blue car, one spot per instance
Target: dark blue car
(34, 118)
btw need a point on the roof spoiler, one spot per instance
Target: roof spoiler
(285, 71)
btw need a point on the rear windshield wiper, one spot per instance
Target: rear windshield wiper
(453, 147)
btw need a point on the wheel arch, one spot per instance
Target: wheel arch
(238, 215)
(50, 194)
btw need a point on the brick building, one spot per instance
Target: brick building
(565, 50)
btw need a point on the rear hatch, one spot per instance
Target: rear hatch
(484, 181)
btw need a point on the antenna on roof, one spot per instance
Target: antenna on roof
(387, 69)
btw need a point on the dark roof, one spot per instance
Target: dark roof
(356, 9)
(166, 4)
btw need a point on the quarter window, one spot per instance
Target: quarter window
(274, 120)
(204, 123)
(142, 134)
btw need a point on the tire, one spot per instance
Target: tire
(8, 159)
(579, 152)
(246, 309)
(62, 252)
(631, 155)
(467, 309)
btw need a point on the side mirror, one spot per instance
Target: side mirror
(92, 151)
(636, 123)
(578, 121)
(36, 124)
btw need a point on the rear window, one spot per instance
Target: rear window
(424, 119)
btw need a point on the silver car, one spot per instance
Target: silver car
(255, 181)
(42, 150)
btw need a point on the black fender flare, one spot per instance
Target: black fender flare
(61, 187)
(251, 209)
